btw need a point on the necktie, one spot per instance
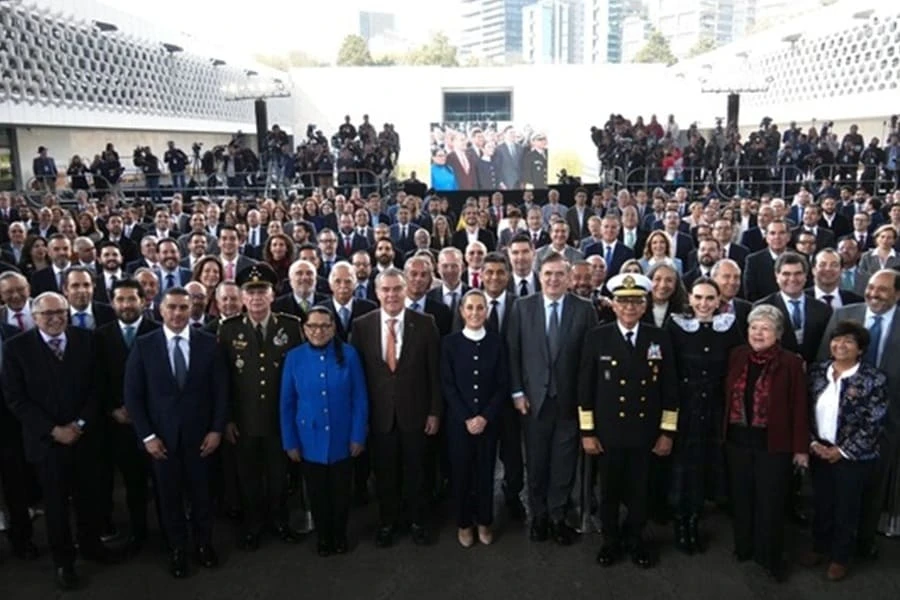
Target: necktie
(476, 280)
(553, 330)
(260, 336)
(827, 299)
(608, 256)
(847, 280)
(253, 237)
(170, 281)
(347, 245)
(534, 238)
(56, 347)
(415, 306)
(59, 281)
(81, 320)
(361, 290)
(629, 338)
(629, 239)
(180, 363)
(874, 341)
(229, 271)
(726, 308)
(403, 234)
(391, 353)
(304, 305)
(493, 320)
(20, 320)
(129, 335)
(523, 288)
(796, 317)
(344, 313)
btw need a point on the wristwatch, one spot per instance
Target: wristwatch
(80, 423)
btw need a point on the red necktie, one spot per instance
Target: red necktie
(347, 245)
(20, 319)
(726, 307)
(476, 280)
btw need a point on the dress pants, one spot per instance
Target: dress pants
(123, 453)
(874, 493)
(838, 504)
(472, 459)
(398, 459)
(624, 474)
(329, 487)
(510, 439)
(551, 450)
(70, 471)
(184, 471)
(15, 477)
(760, 481)
(262, 472)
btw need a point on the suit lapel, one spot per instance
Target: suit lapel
(541, 322)
(406, 336)
(162, 349)
(568, 316)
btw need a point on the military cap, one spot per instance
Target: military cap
(628, 284)
(256, 275)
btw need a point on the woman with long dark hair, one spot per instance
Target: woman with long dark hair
(279, 254)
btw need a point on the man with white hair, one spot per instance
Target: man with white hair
(346, 308)
(303, 295)
(475, 253)
(15, 294)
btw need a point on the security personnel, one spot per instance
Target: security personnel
(628, 410)
(534, 163)
(255, 344)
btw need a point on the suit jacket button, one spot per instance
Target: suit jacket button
(621, 382)
(262, 382)
(324, 393)
(262, 369)
(475, 387)
(262, 354)
(475, 372)
(642, 415)
(475, 357)
(621, 415)
(621, 398)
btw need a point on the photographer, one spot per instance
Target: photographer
(209, 164)
(872, 159)
(107, 170)
(148, 163)
(177, 160)
(77, 173)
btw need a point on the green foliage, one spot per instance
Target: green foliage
(656, 50)
(354, 52)
(703, 45)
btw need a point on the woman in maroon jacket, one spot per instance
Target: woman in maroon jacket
(766, 433)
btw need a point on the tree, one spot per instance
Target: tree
(656, 50)
(703, 45)
(354, 52)
(283, 62)
(437, 52)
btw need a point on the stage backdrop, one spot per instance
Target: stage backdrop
(492, 155)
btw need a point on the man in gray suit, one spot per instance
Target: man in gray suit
(879, 315)
(559, 243)
(545, 333)
(509, 156)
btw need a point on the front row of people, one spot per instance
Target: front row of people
(636, 393)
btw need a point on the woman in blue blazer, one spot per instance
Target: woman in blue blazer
(475, 385)
(848, 405)
(324, 414)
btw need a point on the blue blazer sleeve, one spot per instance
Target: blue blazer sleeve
(135, 392)
(359, 398)
(289, 399)
(501, 375)
(456, 407)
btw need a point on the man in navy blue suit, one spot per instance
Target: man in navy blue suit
(176, 395)
(614, 252)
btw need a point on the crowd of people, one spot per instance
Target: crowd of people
(767, 160)
(669, 353)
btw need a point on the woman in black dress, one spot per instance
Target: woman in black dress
(704, 340)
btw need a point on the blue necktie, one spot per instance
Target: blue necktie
(81, 320)
(874, 341)
(361, 291)
(180, 363)
(415, 306)
(170, 281)
(796, 317)
(847, 282)
(608, 257)
(129, 335)
(345, 317)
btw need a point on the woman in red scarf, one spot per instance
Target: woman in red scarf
(766, 434)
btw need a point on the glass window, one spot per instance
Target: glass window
(477, 106)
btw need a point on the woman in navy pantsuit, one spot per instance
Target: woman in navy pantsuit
(474, 385)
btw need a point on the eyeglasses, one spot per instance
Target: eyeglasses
(318, 327)
(51, 313)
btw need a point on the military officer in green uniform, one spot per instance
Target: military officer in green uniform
(256, 344)
(628, 401)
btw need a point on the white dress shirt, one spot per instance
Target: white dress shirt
(500, 307)
(27, 318)
(184, 343)
(836, 301)
(624, 331)
(548, 311)
(828, 404)
(64, 341)
(398, 330)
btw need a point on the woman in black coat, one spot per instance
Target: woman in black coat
(474, 385)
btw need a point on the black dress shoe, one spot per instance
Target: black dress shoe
(249, 542)
(562, 533)
(610, 553)
(133, 546)
(324, 548)
(66, 578)
(384, 537)
(515, 509)
(419, 534)
(25, 551)
(641, 555)
(340, 544)
(286, 534)
(539, 529)
(178, 563)
(207, 557)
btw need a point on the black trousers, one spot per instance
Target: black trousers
(551, 446)
(472, 459)
(624, 474)
(124, 454)
(362, 468)
(329, 488)
(262, 472)
(874, 492)
(15, 480)
(839, 489)
(184, 472)
(70, 472)
(398, 460)
(510, 439)
(760, 481)
(437, 462)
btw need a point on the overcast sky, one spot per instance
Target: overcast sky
(274, 26)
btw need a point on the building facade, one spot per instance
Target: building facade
(491, 31)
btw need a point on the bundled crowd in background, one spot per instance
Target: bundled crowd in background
(668, 353)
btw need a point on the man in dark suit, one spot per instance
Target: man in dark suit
(348, 241)
(682, 243)
(577, 216)
(723, 232)
(232, 261)
(628, 412)
(805, 319)
(399, 349)
(614, 252)
(78, 289)
(303, 294)
(49, 385)
(170, 274)
(115, 233)
(824, 237)
(345, 307)
(834, 220)
(727, 275)
(630, 233)
(462, 238)
(110, 263)
(826, 271)
(122, 449)
(754, 239)
(510, 158)
(708, 254)
(402, 231)
(50, 279)
(545, 337)
(463, 161)
(759, 270)
(419, 275)
(176, 394)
